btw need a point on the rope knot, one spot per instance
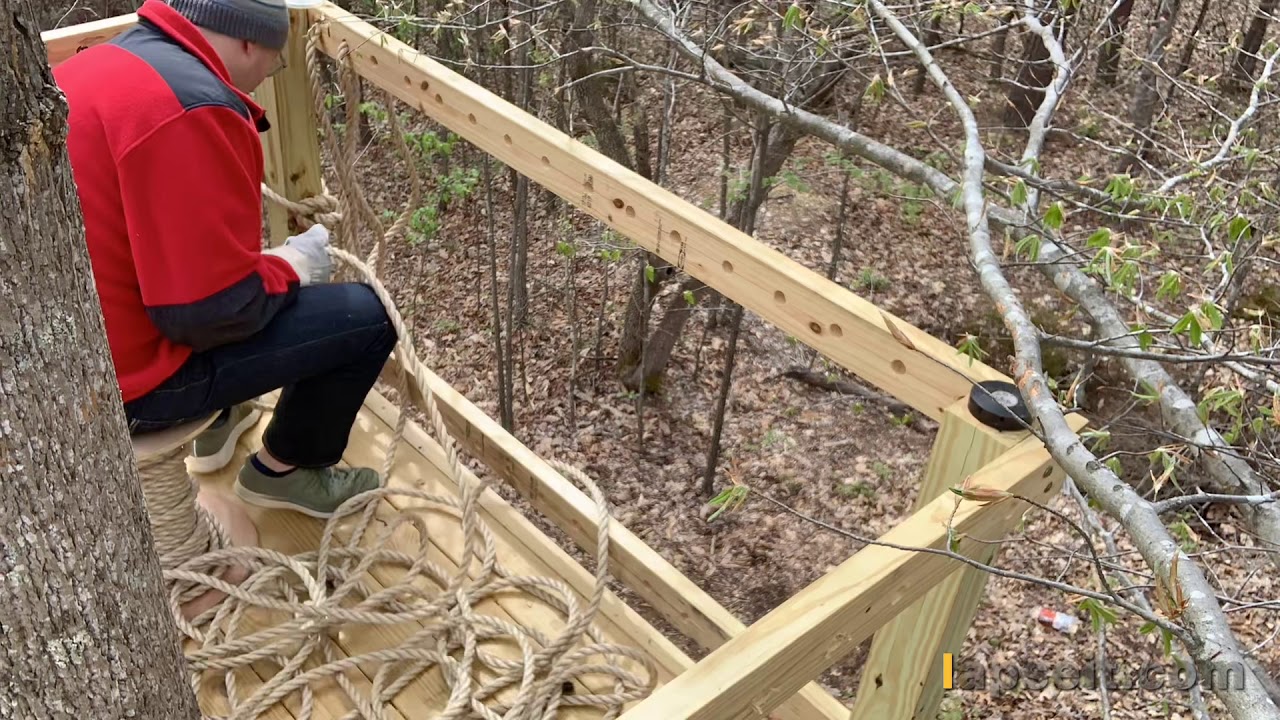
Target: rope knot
(323, 209)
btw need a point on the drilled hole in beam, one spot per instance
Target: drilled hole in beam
(472, 118)
(618, 203)
(506, 139)
(631, 212)
(424, 85)
(675, 235)
(816, 328)
(899, 366)
(546, 161)
(780, 297)
(408, 80)
(728, 266)
(373, 59)
(836, 330)
(439, 98)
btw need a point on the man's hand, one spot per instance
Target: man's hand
(308, 255)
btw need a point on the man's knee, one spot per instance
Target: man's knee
(365, 305)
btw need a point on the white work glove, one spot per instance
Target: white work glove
(308, 254)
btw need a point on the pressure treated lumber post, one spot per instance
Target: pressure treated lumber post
(902, 676)
(291, 148)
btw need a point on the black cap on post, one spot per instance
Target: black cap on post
(998, 404)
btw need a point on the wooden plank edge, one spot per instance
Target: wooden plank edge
(747, 676)
(672, 595)
(62, 43)
(901, 359)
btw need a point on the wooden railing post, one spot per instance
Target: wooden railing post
(902, 676)
(291, 148)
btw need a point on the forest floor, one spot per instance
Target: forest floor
(840, 459)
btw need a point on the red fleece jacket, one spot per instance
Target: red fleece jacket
(168, 163)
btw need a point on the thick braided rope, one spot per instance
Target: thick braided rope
(325, 598)
(182, 529)
(324, 593)
(322, 209)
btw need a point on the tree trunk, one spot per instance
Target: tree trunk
(518, 285)
(86, 630)
(1027, 91)
(1247, 56)
(782, 140)
(1148, 91)
(930, 34)
(591, 93)
(1188, 49)
(1109, 55)
(746, 221)
(999, 42)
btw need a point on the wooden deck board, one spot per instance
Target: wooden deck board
(292, 532)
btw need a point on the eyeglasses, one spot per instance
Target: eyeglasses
(281, 64)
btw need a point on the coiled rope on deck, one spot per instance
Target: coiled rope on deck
(179, 533)
(325, 618)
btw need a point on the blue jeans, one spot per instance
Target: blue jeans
(325, 351)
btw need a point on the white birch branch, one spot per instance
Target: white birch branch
(1233, 134)
(1213, 645)
(1039, 126)
(1109, 542)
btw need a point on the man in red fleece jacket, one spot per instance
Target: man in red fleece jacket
(166, 155)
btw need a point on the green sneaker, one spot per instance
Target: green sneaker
(215, 447)
(312, 491)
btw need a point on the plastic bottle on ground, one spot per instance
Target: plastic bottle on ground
(1056, 620)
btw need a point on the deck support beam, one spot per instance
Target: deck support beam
(901, 677)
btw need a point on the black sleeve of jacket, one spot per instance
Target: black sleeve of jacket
(231, 315)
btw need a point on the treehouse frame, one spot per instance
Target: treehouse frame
(917, 605)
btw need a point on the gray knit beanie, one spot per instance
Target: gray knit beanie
(265, 22)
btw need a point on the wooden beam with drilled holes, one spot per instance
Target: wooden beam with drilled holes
(902, 360)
